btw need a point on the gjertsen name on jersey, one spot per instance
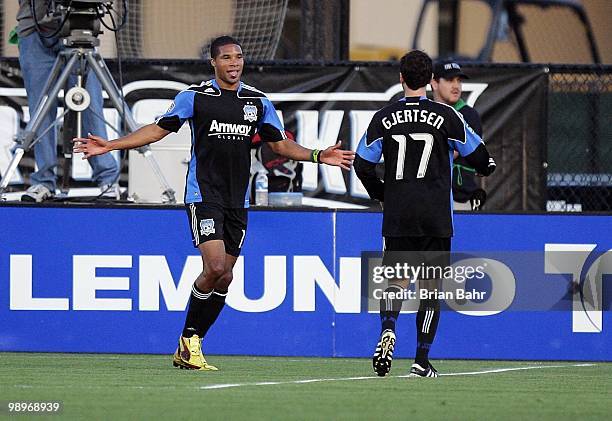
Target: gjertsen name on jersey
(413, 116)
(217, 129)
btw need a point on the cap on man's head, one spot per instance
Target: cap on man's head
(448, 70)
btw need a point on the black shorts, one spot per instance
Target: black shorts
(212, 222)
(417, 243)
(418, 251)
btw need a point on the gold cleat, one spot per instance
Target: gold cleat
(189, 355)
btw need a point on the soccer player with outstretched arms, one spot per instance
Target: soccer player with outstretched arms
(223, 114)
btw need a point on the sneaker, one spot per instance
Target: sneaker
(189, 355)
(110, 191)
(418, 371)
(37, 193)
(384, 353)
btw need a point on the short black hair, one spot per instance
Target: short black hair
(416, 68)
(220, 42)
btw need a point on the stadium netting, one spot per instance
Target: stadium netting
(185, 28)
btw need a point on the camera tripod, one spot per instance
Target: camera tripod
(79, 54)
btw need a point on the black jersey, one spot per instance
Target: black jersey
(417, 137)
(464, 176)
(222, 124)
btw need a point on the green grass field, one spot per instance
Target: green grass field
(147, 387)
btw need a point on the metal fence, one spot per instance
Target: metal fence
(579, 145)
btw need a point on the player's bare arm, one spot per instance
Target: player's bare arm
(330, 156)
(95, 145)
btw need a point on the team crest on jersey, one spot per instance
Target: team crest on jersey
(207, 227)
(250, 113)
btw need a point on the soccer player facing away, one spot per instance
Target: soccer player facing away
(223, 114)
(417, 138)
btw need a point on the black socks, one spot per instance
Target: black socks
(426, 324)
(204, 308)
(390, 307)
(215, 304)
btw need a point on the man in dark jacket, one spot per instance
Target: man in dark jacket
(447, 88)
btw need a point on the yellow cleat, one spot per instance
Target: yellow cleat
(189, 355)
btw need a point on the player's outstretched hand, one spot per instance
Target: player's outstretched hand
(90, 146)
(338, 157)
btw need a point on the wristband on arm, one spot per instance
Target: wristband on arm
(315, 156)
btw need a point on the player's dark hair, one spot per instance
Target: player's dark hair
(220, 42)
(416, 69)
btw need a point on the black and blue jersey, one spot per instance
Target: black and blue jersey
(222, 124)
(417, 138)
(464, 179)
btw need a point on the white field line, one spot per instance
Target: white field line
(340, 379)
(503, 370)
